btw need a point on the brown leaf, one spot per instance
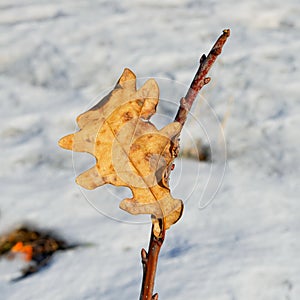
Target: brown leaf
(129, 150)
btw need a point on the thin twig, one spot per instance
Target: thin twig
(200, 78)
(149, 262)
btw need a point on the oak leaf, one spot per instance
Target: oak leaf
(129, 150)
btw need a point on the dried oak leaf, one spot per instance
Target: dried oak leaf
(129, 150)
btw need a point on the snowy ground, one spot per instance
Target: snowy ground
(57, 56)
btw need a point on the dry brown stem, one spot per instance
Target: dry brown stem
(200, 78)
(149, 260)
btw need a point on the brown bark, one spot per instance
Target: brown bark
(200, 78)
(149, 260)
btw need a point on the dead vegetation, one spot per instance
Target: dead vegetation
(36, 247)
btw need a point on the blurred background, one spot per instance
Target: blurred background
(59, 58)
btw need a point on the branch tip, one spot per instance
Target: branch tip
(200, 78)
(226, 32)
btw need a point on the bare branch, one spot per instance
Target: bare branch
(200, 78)
(149, 260)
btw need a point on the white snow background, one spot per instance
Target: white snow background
(57, 56)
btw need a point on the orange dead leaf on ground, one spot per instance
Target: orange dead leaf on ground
(25, 249)
(129, 150)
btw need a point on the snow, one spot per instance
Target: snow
(58, 58)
